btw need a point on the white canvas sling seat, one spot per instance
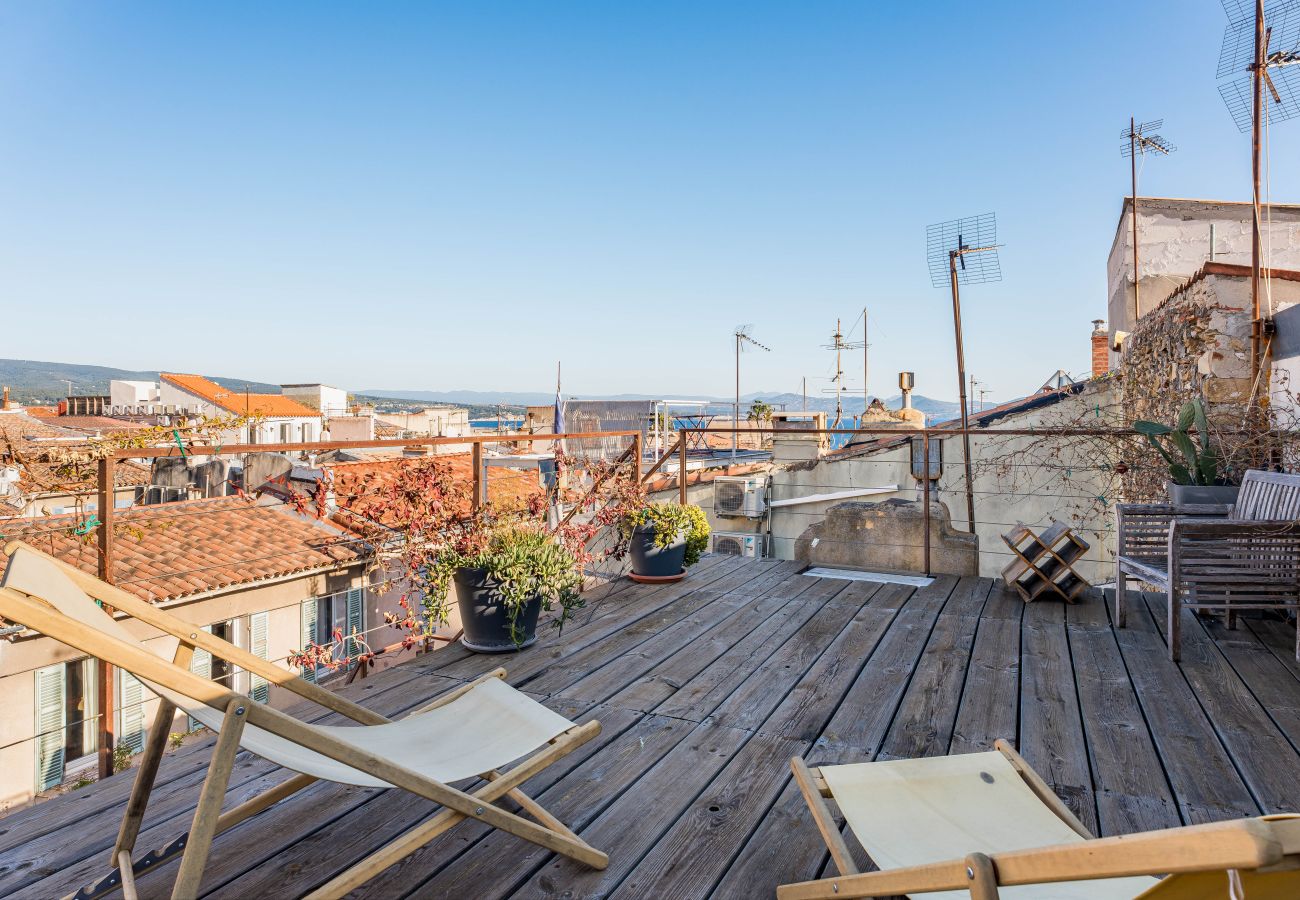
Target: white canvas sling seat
(473, 731)
(984, 826)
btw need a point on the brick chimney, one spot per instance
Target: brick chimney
(1100, 348)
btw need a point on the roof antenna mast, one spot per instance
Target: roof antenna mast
(1261, 49)
(742, 338)
(949, 246)
(1139, 141)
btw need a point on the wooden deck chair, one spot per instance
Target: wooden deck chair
(985, 825)
(472, 731)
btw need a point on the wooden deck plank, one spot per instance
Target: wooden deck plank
(752, 663)
(1051, 735)
(1204, 780)
(1129, 785)
(1266, 760)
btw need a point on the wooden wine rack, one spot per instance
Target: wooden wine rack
(1043, 564)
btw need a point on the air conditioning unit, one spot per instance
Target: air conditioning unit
(739, 496)
(731, 543)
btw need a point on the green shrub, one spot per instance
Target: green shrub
(670, 522)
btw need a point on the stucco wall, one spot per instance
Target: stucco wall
(1174, 240)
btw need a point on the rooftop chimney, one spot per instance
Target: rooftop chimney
(906, 381)
(5, 403)
(1100, 349)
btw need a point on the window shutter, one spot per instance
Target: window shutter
(49, 727)
(356, 620)
(308, 635)
(259, 687)
(130, 704)
(200, 665)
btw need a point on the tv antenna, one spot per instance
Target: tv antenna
(1261, 49)
(1140, 140)
(839, 345)
(742, 338)
(963, 251)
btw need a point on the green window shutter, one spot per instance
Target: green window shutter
(130, 705)
(356, 620)
(258, 623)
(201, 665)
(49, 727)
(308, 635)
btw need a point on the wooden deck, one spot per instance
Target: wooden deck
(705, 690)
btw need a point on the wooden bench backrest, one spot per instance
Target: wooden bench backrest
(1267, 496)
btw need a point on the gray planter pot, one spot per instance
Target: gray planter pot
(1187, 494)
(655, 562)
(485, 616)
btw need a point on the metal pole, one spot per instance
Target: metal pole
(104, 671)
(925, 479)
(1133, 168)
(866, 370)
(961, 387)
(805, 393)
(735, 410)
(1258, 107)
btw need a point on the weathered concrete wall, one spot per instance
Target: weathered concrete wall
(888, 537)
(1034, 480)
(1175, 243)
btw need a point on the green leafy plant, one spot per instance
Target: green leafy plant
(760, 411)
(121, 758)
(670, 522)
(1200, 458)
(527, 564)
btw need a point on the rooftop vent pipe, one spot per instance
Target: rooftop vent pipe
(906, 381)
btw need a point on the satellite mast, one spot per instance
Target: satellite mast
(742, 338)
(1140, 141)
(1256, 42)
(839, 345)
(963, 251)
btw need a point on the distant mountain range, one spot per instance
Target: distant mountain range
(936, 409)
(33, 381)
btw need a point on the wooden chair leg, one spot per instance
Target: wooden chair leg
(1175, 624)
(983, 878)
(1121, 583)
(204, 827)
(145, 774)
(830, 832)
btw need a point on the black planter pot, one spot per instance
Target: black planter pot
(484, 614)
(1184, 494)
(650, 561)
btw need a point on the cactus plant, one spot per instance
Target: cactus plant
(1200, 465)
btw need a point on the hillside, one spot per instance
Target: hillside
(34, 381)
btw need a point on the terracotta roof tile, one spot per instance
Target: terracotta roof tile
(175, 550)
(238, 402)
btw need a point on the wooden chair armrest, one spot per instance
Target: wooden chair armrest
(1243, 844)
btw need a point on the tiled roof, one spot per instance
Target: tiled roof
(23, 430)
(175, 550)
(504, 485)
(89, 424)
(239, 402)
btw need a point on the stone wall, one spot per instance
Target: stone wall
(888, 537)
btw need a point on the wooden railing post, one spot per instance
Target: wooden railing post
(104, 671)
(636, 456)
(681, 469)
(476, 463)
(925, 478)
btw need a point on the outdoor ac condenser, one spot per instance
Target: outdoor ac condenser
(731, 543)
(739, 496)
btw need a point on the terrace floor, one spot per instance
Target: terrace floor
(705, 690)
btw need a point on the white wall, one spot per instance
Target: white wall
(133, 393)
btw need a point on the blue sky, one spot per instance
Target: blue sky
(440, 196)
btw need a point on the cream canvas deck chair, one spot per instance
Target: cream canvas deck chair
(472, 731)
(985, 825)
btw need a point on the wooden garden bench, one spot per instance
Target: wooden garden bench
(1244, 556)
